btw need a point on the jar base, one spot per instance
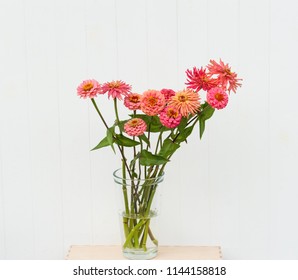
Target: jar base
(140, 254)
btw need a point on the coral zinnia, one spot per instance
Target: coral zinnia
(135, 127)
(198, 79)
(186, 102)
(226, 77)
(168, 93)
(170, 117)
(132, 101)
(89, 88)
(116, 89)
(152, 102)
(217, 98)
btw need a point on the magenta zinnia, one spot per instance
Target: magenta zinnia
(217, 98)
(170, 117)
(167, 93)
(132, 101)
(198, 79)
(226, 77)
(186, 102)
(152, 102)
(116, 89)
(135, 127)
(89, 88)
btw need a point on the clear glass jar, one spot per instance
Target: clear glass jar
(139, 201)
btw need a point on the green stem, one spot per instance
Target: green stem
(154, 240)
(117, 115)
(104, 122)
(124, 188)
(99, 113)
(145, 235)
(132, 232)
(159, 141)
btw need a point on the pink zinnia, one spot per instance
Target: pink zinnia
(89, 88)
(217, 98)
(132, 101)
(168, 93)
(226, 77)
(198, 79)
(186, 102)
(116, 89)
(152, 102)
(170, 117)
(135, 127)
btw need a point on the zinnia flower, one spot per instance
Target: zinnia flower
(135, 127)
(226, 77)
(116, 89)
(168, 93)
(132, 101)
(170, 117)
(152, 102)
(186, 102)
(89, 88)
(217, 98)
(198, 79)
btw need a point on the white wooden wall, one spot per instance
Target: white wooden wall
(236, 188)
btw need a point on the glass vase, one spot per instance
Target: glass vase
(138, 200)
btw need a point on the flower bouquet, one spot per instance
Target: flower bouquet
(158, 123)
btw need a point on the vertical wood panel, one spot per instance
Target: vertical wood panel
(195, 197)
(283, 129)
(162, 44)
(132, 42)
(16, 193)
(102, 59)
(74, 123)
(44, 128)
(2, 215)
(224, 186)
(252, 109)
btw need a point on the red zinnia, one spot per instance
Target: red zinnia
(226, 77)
(198, 79)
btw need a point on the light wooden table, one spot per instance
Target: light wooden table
(98, 252)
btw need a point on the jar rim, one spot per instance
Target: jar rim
(119, 179)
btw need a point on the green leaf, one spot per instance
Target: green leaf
(202, 128)
(148, 159)
(145, 118)
(204, 115)
(207, 112)
(168, 148)
(125, 141)
(121, 124)
(153, 122)
(103, 143)
(110, 139)
(184, 134)
(133, 161)
(144, 138)
(182, 124)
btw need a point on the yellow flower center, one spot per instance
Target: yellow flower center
(114, 84)
(134, 123)
(152, 101)
(228, 71)
(134, 99)
(219, 96)
(87, 86)
(182, 98)
(171, 113)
